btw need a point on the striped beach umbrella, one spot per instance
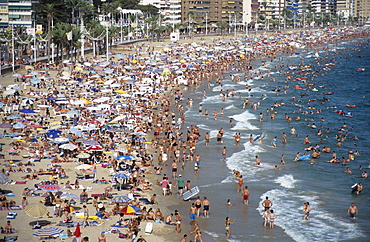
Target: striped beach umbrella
(49, 231)
(121, 198)
(50, 188)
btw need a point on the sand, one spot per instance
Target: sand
(161, 232)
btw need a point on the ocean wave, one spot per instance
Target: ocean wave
(242, 121)
(286, 181)
(321, 226)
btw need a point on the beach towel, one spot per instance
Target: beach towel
(20, 182)
(16, 208)
(11, 238)
(145, 200)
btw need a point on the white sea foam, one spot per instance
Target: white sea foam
(212, 99)
(286, 181)
(242, 121)
(322, 226)
(230, 107)
(243, 161)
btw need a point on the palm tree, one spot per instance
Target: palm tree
(222, 26)
(75, 5)
(191, 15)
(59, 37)
(286, 14)
(49, 10)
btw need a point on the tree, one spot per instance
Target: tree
(222, 26)
(148, 9)
(75, 5)
(50, 11)
(59, 37)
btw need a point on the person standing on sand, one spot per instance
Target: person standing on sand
(180, 185)
(206, 204)
(174, 170)
(198, 205)
(192, 213)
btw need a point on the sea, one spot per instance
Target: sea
(341, 75)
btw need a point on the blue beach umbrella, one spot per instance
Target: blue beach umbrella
(51, 98)
(14, 116)
(124, 157)
(53, 133)
(122, 176)
(47, 232)
(26, 110)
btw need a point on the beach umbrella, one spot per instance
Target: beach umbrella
(94, 148)
(47, 232)
(3, 178)
(72, 113)
(68, 195)
(34, 73)
(36, 210)
(61, 140)
(53, 133)
(129, 210)
(14, 116)
(35, 80)
(55, 125)
(77, 232)
(34, 140)
(19, 126)
(91, 142)
(124, 157)
(84, 167)
(121, 198)
(122, 176)
(50, 188)
(28, 101)
(6, 126)
(51, 98)
(68, 146)
(16, 75)
(83, 155)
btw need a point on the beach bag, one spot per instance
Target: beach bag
(122, 236)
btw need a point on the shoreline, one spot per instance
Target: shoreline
(164, 201)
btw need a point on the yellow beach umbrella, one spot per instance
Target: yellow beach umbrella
(86, 101)
(119, 91)
(55, 125)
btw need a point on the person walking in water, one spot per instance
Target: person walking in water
(227, 226)
(306, 210)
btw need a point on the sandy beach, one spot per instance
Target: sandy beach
(127, 130)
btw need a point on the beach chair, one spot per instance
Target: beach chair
(149, 228)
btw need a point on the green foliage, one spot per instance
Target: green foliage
(148, 9)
